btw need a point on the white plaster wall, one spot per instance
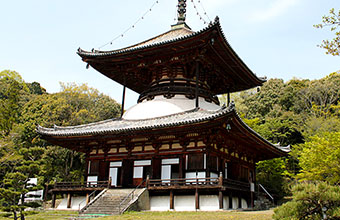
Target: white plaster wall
(184, 203)
(235, 202)
(244, 204)
(225, 202)
(161, 106)
(75, 201)
(159, 203)
(208, 202)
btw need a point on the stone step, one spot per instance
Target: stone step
(110, 203)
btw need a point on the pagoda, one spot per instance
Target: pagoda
(177, 142)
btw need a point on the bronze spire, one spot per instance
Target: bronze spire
(181, 14)
(181, 11)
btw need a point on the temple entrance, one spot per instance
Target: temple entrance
(170, 169)
(115, 173)
(141, 168)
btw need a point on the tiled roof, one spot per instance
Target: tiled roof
(120, 125)
(167, 37)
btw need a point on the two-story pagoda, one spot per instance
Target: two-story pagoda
(193, 153)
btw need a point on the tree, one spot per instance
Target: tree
(333, 21)
(319, 158)
(15, 184)
(311, 201)
(274, 176)
(11, 88)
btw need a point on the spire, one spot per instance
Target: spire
(181, 11)
(181, 14)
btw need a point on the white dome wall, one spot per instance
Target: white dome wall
(161, 106)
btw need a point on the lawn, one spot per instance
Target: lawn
(235, 215)
(193, 215)
(49, 215)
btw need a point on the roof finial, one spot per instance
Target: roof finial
(181, 11)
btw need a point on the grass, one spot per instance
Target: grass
(219, 215)
(42, 215)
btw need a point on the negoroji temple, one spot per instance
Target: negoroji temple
(177, 148)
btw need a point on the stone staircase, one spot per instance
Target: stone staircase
(111, 202)
(262, 202)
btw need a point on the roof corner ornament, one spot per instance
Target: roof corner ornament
(231, 105)
(181, 11)
(217, 19)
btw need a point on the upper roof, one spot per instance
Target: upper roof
(132, 65)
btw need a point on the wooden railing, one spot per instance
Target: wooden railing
(184, 182)
(89, 184)
(208, 182)
(235, 184)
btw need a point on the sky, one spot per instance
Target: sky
(275, 38)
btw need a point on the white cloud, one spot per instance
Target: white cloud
(275, 9)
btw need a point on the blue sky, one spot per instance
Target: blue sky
(275, 38)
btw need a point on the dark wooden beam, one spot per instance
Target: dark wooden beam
(123, 101)
(171, 199)
(69, 198)
(220, 199)
(196, 89)
(197, 202)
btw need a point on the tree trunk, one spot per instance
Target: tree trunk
(22, 216)
(15, 215)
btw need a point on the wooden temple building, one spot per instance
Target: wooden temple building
(177, 142)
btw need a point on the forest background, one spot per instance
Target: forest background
(302, 113)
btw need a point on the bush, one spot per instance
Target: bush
(311, 201)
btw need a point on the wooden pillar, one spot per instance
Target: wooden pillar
(231, 201)
(196, 90)
(87, 198)
(220, 193)
(171, 200)
(228, 97)
(197, 204)
(123, 100)
(69, 198)
(53, 200)
(181, 166)
(220, 199)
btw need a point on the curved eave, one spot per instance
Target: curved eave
(258, 81)
(135, 48)
(60, 131)
(130, 54)
(270, 146)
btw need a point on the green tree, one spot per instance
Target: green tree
(333, 21)
(274, 176)
(11, 88)
(15, 184)
(311, 201)
(319, 158)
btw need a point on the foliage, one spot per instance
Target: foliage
(23, 154)
(289, 113)
(319, 158)
(274, 176)
(11, 87)
(311, 201)
(15, 183)
(332, 20)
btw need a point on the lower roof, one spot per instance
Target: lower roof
(119, 126)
